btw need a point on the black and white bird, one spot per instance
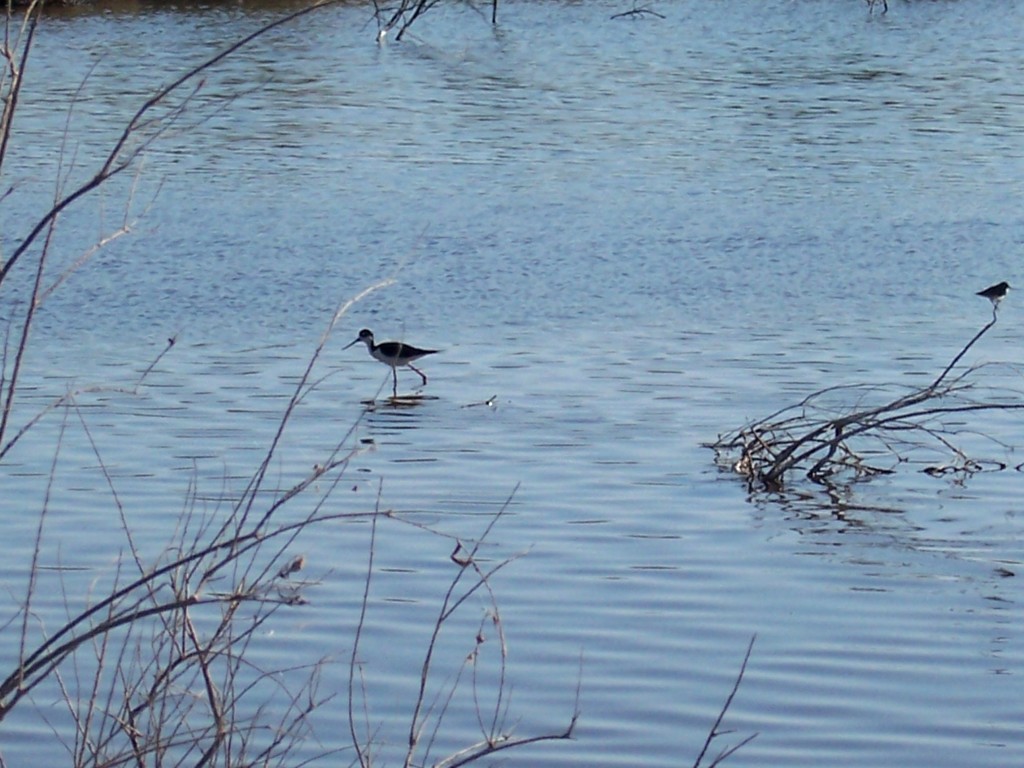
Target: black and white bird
(995, 293)
(393, 353)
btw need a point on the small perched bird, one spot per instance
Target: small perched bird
(393, 353)
(995, 293)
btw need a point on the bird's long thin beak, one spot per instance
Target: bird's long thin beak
(351, 343)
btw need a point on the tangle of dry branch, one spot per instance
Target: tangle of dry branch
(825, 441)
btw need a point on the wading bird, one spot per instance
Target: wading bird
(393, 353)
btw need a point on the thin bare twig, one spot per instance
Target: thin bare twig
(715, 730)
(361, 747)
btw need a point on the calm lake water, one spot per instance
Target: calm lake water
(627, 237)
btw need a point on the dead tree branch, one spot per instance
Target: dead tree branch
(825, 441)
(405, 13)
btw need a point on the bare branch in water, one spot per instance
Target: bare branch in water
(825, 442)
(636, 12)
(716, 728)
(403, 15)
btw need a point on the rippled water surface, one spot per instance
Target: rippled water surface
(627, 237)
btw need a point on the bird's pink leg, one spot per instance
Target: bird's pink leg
(421, 373)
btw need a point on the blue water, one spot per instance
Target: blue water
(626, 237)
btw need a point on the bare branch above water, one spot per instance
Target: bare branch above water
(833, 435)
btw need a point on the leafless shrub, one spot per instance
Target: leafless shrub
(166, 647)
(432, 700)
(156, 667)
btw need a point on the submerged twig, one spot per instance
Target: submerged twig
(636, 12)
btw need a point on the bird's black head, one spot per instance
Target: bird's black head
(365, 336)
